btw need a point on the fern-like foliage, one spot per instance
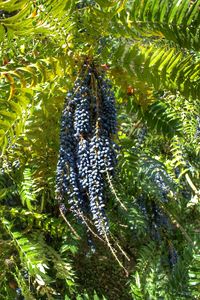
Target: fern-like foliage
(26, 189)
(162, 67)
(177, 21)
(35, 255)
(53, 226)
(158, 117)
(31, 19)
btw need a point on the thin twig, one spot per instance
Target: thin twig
(114, 192)
(120, 248)
(69, 225)
(191, 184)
(90, 229)
(178, 224)
(115, 256)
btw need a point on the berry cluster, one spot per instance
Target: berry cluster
(159, 226)
(160, 183)
(141, 136)
(87, 153)
(84, 3)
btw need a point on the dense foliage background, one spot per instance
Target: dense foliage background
(150, 51)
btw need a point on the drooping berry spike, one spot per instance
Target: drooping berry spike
(87, 152)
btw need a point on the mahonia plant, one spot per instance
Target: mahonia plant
(88, 153)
